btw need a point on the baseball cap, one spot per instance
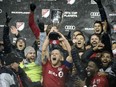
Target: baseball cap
(11, 58)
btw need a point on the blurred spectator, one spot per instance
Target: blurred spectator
(102, 27)
(33, 71)
(93, 79)
(1, 53)
(107, 61)
(114, 49)
(8, 74)
(17, 49)
(75, 33)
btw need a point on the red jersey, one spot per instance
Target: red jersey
(33, 25)
(54, 77)
(99, 81)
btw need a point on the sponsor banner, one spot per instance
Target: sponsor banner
(0, 11)
(112, 14)
(93, 2)
(89, 28)
(47, 0)
(45, 13)
(19, 12)
(18, 0)
(70, 2)
(70, 14)
(1, 0)
(1, 25)
(20, 25)
(94, 14)
(70, 27)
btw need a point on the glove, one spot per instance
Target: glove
(7, 19)
(32, 7)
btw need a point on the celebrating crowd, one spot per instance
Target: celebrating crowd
(55, 60)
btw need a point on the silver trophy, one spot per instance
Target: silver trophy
(56, 16)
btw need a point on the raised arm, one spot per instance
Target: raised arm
(106, 27)
(65, 42)
(45, 54)
(103, 15)
(68, 47)
(6, 38)
(32, 23)
(14, 31)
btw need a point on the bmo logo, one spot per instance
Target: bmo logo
(69, 27)
(94, 14)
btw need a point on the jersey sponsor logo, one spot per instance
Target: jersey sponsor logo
(95, 82)
(60, 73)
(54, 42)
(52, 73)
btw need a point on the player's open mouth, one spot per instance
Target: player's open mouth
(54, 58)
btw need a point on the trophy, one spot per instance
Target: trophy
(56, 16)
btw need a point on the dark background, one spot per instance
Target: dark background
(84, 20)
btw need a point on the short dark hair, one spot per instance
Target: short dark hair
(57, 47)
(99, 23)
(11, 58)
(97, 61)
(109, 52)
